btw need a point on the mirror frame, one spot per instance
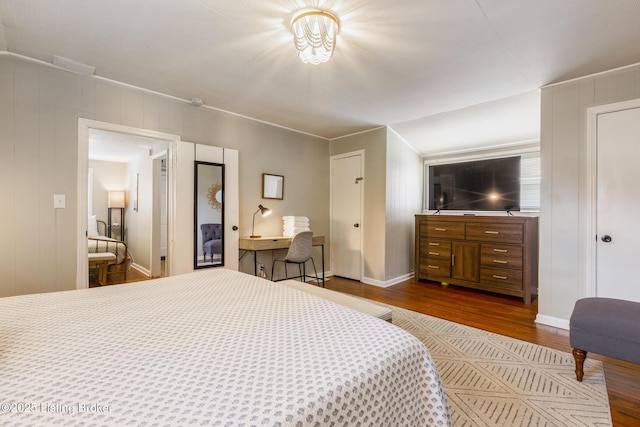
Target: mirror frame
(272, 186)
(198, 187)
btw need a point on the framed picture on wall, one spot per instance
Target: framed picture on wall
(272, 186)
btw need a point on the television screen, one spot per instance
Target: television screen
(481, 185)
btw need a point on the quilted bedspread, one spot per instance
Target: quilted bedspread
(213, 347)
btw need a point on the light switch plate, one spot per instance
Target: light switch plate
(59, 201)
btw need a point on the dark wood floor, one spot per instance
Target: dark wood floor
(495, 313)
(507, 316)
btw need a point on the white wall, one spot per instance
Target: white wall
(107, 176)
(39, 110)
(563, 227)
(403, 201)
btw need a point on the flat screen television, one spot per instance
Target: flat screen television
(480, 185)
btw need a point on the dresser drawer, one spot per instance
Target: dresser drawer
(501, 255)
(496, 232)
(433, 248)
(501, 277)
(435, 267)
(444, 229)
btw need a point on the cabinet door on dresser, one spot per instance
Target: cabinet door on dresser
(464, 261)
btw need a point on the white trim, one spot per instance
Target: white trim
(504, 150)
(360, 153)
(387, 283)
(84, 125)
(552, 321)
(590, 75)
(356, 133)
(588, 255)
(389, 128)
(187, 101)
(141, 269)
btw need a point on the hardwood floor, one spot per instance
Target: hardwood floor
(502, 315)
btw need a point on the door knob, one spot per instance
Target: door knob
(356, 225)
(606, 238)
(234, 228)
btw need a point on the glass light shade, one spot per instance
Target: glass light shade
(314, 35)
(116, 199)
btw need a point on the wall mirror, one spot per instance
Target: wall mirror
(209, 215)
(272, 186)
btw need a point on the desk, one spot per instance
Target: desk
(272, 243)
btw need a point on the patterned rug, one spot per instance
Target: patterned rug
(493, 380)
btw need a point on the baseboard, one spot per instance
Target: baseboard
(553, 321)
(140, 269)
(386, 283)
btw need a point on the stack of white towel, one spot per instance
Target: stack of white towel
(294, 224)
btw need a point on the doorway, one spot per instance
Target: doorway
(347, 192)
(151, 245)
(614, 147)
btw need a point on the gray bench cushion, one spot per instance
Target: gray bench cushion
(607, 326)
(357, 304)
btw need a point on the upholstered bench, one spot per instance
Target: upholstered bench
(357, 304)
(102, 261)
(606, 326)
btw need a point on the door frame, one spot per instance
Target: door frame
(360, 153)
(84, 125)
(588, 240)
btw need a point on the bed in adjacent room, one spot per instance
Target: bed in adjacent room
(98, 242)
(213, 347)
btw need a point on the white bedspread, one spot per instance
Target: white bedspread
(213, 347)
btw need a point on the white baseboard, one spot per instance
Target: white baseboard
(386, 283)
(552, 321)
(142, 270)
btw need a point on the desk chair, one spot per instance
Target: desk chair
(299, 253)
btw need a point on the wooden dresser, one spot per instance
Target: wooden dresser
(492, 253)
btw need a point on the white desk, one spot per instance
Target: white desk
(270, 243)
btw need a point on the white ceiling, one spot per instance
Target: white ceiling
(421, 66)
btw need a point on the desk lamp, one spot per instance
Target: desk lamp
(265, 212)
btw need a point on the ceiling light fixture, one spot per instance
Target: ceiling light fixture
(314, 35)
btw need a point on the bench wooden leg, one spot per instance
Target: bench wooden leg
(579, 356)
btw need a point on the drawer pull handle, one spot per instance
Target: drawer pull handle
(502, 251)
(434, 244)
(495, 276)
(434, 266)
(434, 253)
(491, 232)
(441, 229)
(500, 261)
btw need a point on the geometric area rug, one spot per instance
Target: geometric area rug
(493, 380)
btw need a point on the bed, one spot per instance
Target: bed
(214, 347)
(97, 242)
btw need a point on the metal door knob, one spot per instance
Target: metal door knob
(356, 225)
(606, 238)
(234, 228)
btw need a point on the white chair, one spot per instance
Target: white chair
(300, 251)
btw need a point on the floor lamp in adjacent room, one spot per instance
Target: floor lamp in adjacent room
(116, 222)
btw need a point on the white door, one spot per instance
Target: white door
(618, 201)
(346, 216)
